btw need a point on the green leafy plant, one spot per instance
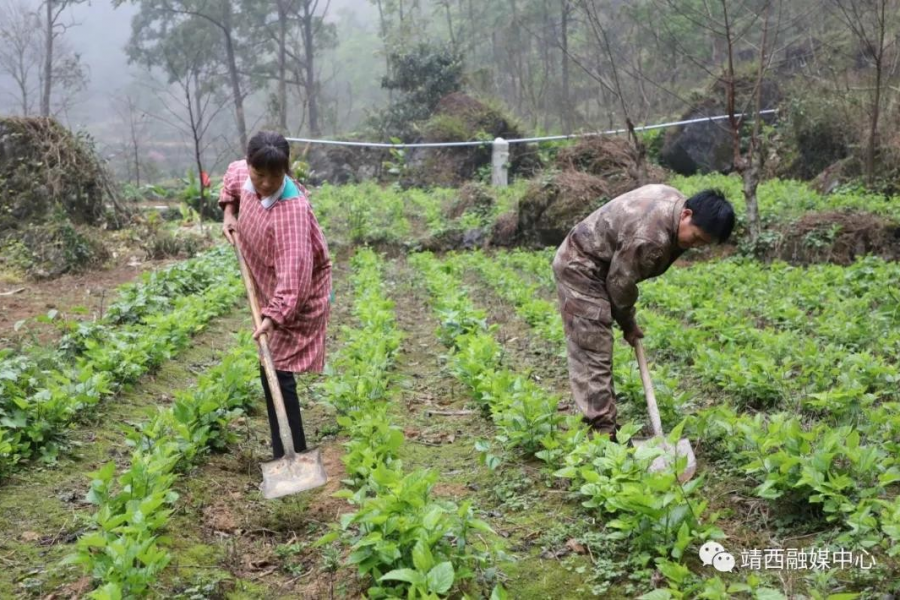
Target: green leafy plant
(150, 323)
(401, 537)
(124, 551)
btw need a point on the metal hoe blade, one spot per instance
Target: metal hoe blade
(667, 461)
(293, 473)
(286, 476)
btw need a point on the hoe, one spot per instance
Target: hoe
(293, 473)
(682, 449)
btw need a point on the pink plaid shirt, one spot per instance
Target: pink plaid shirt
(287, 255)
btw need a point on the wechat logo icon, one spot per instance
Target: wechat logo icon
(713, 553)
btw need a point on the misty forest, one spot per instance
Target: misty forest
(401, 283)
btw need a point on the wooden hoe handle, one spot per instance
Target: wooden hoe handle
(652, 408)
(284, 429)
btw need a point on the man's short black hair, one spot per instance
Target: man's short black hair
(268, 151)
(712, 213)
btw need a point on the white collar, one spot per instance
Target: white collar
(269, 201)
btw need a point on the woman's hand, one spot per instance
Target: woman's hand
(266, 327)
(229, 225)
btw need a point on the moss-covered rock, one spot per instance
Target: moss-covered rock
(707, 147)
(459, 117)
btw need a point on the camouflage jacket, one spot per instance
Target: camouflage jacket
(629, 239)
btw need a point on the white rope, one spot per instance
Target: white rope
(548, 138)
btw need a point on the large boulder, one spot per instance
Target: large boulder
(459, 117)
(707, 147)
(836, 237)
(339, 165)
(699, 147)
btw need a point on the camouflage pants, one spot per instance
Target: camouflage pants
(589, 345)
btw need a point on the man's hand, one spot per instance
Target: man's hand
(229, 225)
(266, 327)
(633, 335)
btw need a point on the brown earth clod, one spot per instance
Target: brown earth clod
(837, 237)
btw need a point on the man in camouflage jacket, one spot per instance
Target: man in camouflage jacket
(598, 266)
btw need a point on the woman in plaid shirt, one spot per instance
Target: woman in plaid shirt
(287, 256)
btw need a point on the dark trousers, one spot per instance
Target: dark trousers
(291, 407)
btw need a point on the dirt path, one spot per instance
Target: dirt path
(42, 508)
(518, 500)
(228, 540)
(93, 291)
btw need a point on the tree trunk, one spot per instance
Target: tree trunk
(312, 89)
(750, 176)
(235, 80)
(873, 126)
(387, 52)
(48, 61)
(22, 81)
(471, 11)
(195, 115)
(449, 17)
(134, 143)
(516, 58)
(640, 154)
(750, 167)
(564, 39)
(876, 102)
(546, 61)
(282, 67)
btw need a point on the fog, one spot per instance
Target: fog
(99, 33)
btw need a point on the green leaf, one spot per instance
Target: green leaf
(408, 575)
(93, 540)
(432, 518)
(110, 591)
(422, 558)
(499, 593)
(327, 539)
(768, 594)
(657, 595)
(440, 578)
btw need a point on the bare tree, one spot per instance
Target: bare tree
(156, 17)
(565, 9)
(37, 58)
(69, 75)
(56, 64)
(20, 52)
(874, 25)
(738, 27)
(283, 6)
(749, 165)
(300, 24)
(601, 36)
(135, 123)
(192, 98)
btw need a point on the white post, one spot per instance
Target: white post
(499, 160)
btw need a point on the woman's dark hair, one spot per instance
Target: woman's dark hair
(268, 151)
(712, 213)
